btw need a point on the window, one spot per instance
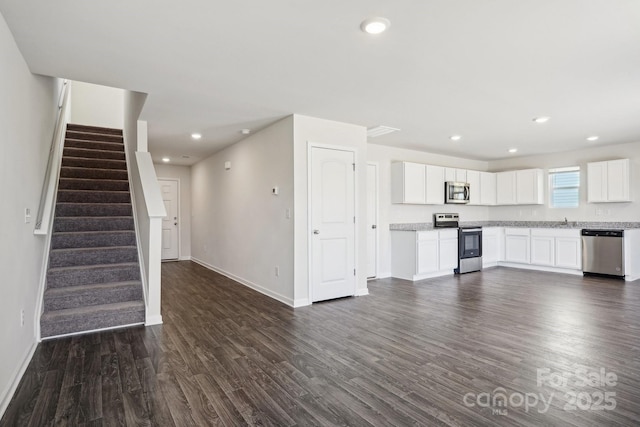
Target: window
(564, 185)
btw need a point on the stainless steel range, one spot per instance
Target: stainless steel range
(469, 242)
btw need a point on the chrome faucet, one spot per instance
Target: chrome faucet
(566, 222)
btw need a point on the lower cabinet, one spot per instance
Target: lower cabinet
(427, 252)
(547, 247)
(417, 255)
(517, 245)
(492, 238)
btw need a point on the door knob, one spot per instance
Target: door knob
(374, 226)
(175, 223)
(316, 231)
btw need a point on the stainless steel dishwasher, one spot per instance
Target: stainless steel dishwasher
(603, 252)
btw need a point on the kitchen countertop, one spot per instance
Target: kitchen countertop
(426, 226)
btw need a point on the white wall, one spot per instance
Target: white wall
(183, 174)
(95, 105)
(27, 119)
(238, 227)
(306, 130)
(586, 211)
(398, 213)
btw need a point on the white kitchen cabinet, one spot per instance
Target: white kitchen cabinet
(455, 175)
(487, 188)
(427, 252)
(506, 188)
(530, 187)
(417, 255)
(491, 246)
(434, 185)
(568, 249)
(542, 249)
(608, 181)
(475, 190)
(520, 187)
(408, 183)
(448, 249)
(517, 245)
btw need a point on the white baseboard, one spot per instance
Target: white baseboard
(385, 275)
(540, 268)
(285, 300)
(301, 302)
(153, 320)
(6, 397)
(362, 292)
(185, 258)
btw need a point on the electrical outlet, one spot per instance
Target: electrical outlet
(22, 317)
(287, 213)
(27, 215)
(277, 271)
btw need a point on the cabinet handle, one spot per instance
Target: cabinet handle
(316, 231)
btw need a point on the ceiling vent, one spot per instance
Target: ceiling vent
(380, 130)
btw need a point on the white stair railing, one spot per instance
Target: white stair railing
(50, 184)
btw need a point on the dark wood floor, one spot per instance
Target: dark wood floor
(409, 354)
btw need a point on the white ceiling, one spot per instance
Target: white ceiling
(481, 69)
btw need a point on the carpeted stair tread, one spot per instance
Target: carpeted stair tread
(93, 129)
(92, 239)
(92, 256)
(86, 275)
(93, 223)
(96, 294)
(92, 173)
(93, 184)
(93, 209)
(93, 317)
(93, 153)
(106, 146)
(88, 136)
(93, 163)
(93, 196)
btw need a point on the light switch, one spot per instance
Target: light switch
(275, 191)
(227, 165)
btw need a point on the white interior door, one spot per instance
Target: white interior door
(170, 223)
(332, 231)
(372, 220)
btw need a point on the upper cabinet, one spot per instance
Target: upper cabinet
(418, 184)
(608, 181)
(408, 183)
(530, 187)
(455, 175)
(506, 188)
(521, 187)
(488, 192)
(475, 188)
(434, 185)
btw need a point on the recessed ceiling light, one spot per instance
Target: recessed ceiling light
(196, 135)
(375, 25)
(184, 156)
(541, 119)
(455, 137)
(245, 131)
(166, 159)
(513, 150)
(593, 138)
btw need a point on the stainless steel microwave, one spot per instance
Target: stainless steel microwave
(456, 192)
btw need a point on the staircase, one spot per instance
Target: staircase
(93, 277)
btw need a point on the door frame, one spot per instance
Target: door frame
(179, 218)
(377, 210)
(356, 213)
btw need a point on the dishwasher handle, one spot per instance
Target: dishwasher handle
(602, 233)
